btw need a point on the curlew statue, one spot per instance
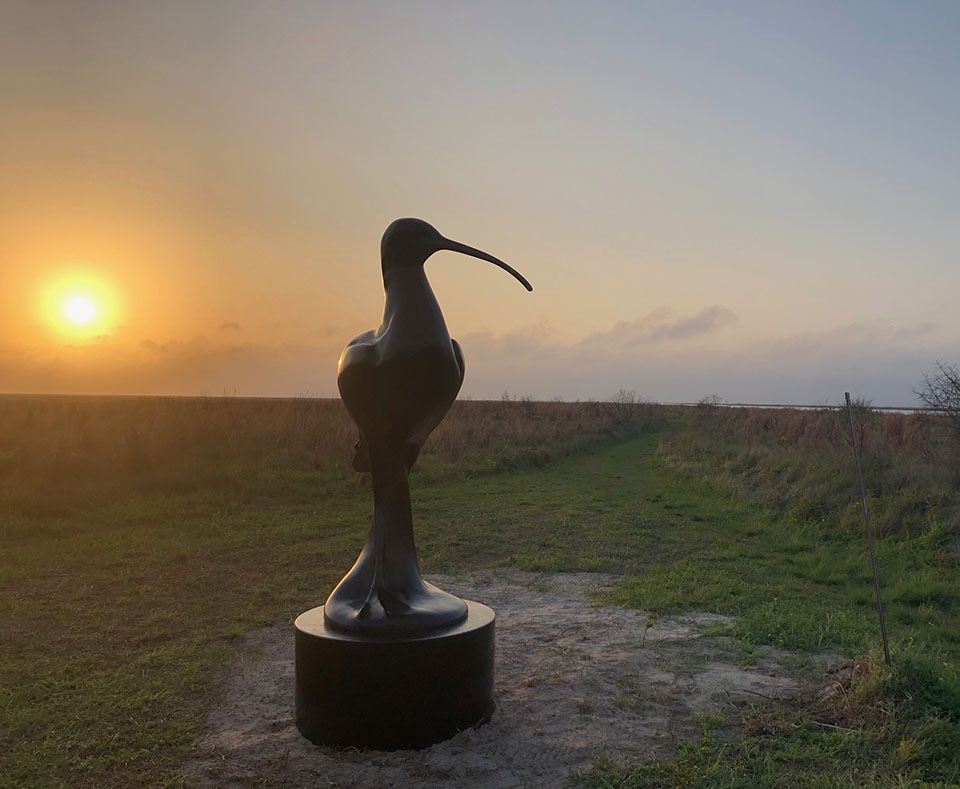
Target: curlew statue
(397, 383)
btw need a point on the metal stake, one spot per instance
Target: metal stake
(866, 517)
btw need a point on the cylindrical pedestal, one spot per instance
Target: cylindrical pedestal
(407, 692)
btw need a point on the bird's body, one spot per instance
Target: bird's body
(397, 383)
(399, 380)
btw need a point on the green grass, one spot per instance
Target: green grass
(115, 610)
(804, 583)
(890, 727)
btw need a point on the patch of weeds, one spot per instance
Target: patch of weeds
(687, 584)
(809, 627)
(878, 727)
(926, 586)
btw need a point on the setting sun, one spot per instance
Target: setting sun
(79, 309)
(80, 305)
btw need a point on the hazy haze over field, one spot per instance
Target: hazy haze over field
(753, 199)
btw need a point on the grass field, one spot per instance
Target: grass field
(142, 537)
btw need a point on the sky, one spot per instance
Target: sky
(749, 199)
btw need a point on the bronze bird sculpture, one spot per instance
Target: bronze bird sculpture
(397, 383)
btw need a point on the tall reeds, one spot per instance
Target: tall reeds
(118, 441)
(801, 461)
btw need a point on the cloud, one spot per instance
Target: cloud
(521, 342)
(230, 326)
(662, 325)
(184, 367)
(873, 338)
(917, 331)
(327, 331)
(191, 347)
(626, 337)
(876, 359)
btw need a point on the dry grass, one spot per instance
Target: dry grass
(66, 436)
(120, 595)
(77, 442)
(802, 462)
(917, 435)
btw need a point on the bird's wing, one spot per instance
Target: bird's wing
(411, 451)
(356, 361)
(458, 352)
(357, 364)
(361, 457)
(413, 446)
(362, 349)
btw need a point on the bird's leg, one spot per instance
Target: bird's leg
(384, 593)
(397, 572)
(376, 582)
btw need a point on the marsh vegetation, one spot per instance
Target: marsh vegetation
(143, 536)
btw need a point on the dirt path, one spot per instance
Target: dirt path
(573, 682)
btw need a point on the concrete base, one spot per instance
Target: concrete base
(390, 693)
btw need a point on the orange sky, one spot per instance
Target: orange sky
(759, 203)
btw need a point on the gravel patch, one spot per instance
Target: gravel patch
(573, 681)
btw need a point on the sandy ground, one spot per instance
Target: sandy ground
(573, 682)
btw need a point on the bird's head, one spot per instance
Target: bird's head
(409, 242)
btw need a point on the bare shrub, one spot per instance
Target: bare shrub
(710, 401)
(862, 417)
(626, 405)
(940, 391)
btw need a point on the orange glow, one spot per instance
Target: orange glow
(79, 309)
(80, 305)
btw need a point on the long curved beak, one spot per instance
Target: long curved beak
(456, 246)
